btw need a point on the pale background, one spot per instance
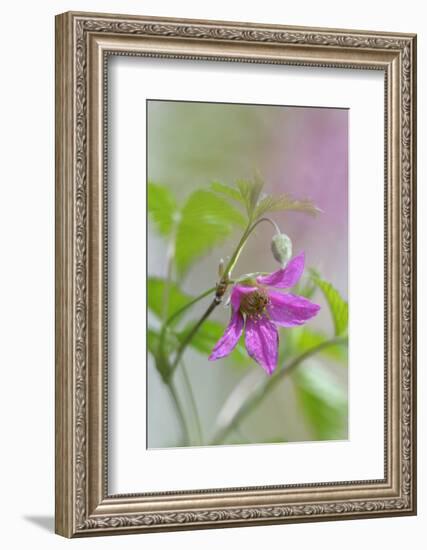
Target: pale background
(26, 218)
(299, 150)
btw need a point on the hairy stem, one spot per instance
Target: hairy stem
(248, 406)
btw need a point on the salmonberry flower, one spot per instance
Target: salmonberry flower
(257, 309)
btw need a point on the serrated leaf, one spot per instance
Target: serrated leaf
(337, 305)
(206, 221)
(226, 190)
(208, 335)
(162, 207)
(271, 203)
(250, 192)
(157, 294)
(323, 402)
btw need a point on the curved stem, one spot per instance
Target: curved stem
(193, 404)
(191, 334)
(233, 260)
(232, 263)
(180, 412)
(170, 384)
(248, 406)
(270, 221)
(178, 313)
(169, 381)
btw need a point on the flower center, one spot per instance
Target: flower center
(255, 303)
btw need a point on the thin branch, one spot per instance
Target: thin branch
(251, 227)
(191, 335)
(249, 405)
(193, 404)
(178, 313)
(180, 412)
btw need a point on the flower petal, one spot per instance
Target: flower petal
(229, 339)
(262, 342)
(237, 294)
(289, 310)
(286, 277)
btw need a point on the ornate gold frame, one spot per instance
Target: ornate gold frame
(83, 42)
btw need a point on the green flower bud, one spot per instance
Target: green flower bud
(281, 246)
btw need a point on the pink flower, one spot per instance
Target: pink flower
(258, 310)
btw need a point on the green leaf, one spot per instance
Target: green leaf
(160, 359)
(161, 207)
(206, 221)
(227, 190)
(153, 339)
(323, 402)
(337, 305)
(156, 295)
(208, 335)
(250, 192)
(278, 203)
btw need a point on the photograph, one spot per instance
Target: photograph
(235, 273)
(247, 273)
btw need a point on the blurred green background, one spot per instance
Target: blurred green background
(298, 150)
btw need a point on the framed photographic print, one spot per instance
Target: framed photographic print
(235, 274)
